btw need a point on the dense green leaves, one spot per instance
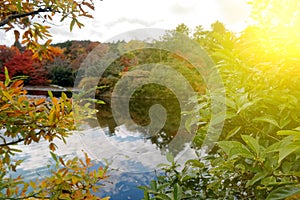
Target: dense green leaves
(234, 149)
(258, 152)
(284, 192)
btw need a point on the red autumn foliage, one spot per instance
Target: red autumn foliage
(7, 53)
(22, 64)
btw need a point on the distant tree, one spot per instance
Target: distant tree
(6, 54)
(184, 29)
(22, 64)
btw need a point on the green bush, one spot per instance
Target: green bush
(257, 155)
(62, 76)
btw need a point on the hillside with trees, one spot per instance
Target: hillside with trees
(59, 69)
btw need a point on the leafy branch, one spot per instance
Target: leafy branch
(22, 15)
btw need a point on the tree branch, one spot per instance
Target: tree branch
(21, 15)
(14, 142)
(20, 139)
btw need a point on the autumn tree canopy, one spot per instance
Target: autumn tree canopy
(30, 16)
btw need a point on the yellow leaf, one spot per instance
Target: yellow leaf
(32, 184)
(7, 95)
(64, 196)
(55, 101)
(74, 180)
(62, 105)
(31, 115)
(52, 117)
(58, 181)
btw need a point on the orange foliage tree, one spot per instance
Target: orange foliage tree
(23, 63)
(24, 120)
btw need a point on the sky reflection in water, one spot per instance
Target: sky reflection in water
(133, 157)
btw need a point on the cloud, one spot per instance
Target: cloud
(7, 38)
(182, 7)
(235, 13)
(114, 17)
(131, 21)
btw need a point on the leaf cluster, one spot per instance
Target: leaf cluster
(27, 120)
(31, 15)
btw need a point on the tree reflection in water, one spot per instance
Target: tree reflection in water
(139, 109)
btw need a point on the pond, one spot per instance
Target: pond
(133, 149)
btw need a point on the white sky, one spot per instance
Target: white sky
(113, 17)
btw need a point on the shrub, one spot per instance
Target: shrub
(62, 76)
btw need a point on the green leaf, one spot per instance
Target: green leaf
(54, 156)
(233, 132)
(163, 186)
(288, 132)
(218, 118)
(294, 133)
(230, 103)
(146, 194)
(16, 150)
(269, 119)
(284, 192)
(177, 192)
(274, 147)
(234, 149)
(100, 173)
(286, 166)
(230, 115)
(170, 157)
(162, 197)
(268, 181)
(287, 150)
(252, 143)
(256, 178)
(64, 96)
(7, 79)
(50, 94)
(153, 185)
(244, 106)
(195, 163)
(19, 5)
(192, 120)
(284, 122)
(72, 24)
